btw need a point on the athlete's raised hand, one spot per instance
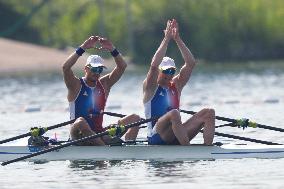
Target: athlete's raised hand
(90, 43)
(105, 44)
(168, 30)
(175, 30)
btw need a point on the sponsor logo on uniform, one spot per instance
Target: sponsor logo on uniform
(85, 93)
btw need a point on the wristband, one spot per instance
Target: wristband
(80, 51)
(114, 53)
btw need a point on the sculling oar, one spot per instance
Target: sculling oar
(216, 133)
(240, 122)
(37, 131)
(111, 131)
(244, 138)
(41, 130)
(114, 114)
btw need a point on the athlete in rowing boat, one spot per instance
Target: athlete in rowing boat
(161, 97)
(87, 96)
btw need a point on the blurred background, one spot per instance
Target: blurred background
(216, 31)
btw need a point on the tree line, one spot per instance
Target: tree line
(220, 30)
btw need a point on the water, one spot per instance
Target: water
(252, 91)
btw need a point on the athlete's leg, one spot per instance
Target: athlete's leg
(132, 132)
(169, 127)
(81, 129)
(202, 119)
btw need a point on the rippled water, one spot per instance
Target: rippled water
(255, 92)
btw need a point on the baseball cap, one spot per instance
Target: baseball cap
(95, 61)
(167, 63)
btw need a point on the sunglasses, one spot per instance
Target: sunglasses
(169, 71)
(96, 70)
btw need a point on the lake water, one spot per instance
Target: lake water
(254, 91)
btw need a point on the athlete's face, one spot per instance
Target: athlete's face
(90, 75)
(166, 76)
(164, 79)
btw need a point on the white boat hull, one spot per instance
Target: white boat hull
(147, 152)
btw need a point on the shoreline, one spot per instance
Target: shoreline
(24, 58)
(20, 58)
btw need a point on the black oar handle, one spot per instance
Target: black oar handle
(29, 133)
(75, 142)
(234, 121)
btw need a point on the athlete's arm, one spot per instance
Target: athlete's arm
(71, 81)
(110, 79)
(182, 78)
(150, 83)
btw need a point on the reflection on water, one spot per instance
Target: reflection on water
(93, 165)
(167, 169)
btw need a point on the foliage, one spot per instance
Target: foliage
(218, 30)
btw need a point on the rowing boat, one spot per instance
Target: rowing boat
(146, 152)
(138, 151)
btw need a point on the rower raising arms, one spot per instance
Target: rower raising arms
(87, 96)
(161, 96)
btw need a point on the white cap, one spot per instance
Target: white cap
(166, 63)
(95, 61)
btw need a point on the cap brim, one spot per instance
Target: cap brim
(97, 65)
(167, 67)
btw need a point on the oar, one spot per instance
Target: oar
(240, 122)
(111, 131)
(30, 133)
(244, 138)
(216, 133)
(114, 114)
(54, 127)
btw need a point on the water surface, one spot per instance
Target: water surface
(254, 91)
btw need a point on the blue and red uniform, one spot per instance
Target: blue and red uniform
(164, 100)
(88, 104)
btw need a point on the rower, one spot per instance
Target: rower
(162, 92)
(88, 95)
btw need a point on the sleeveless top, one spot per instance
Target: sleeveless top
(89, 102)
(164, 100)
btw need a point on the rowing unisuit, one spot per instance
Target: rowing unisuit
(163, 101)
(90, 100)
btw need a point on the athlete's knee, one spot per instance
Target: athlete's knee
(211, 113)
(174, 114)
(208, 113)
(81, 120)
(81, 123)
